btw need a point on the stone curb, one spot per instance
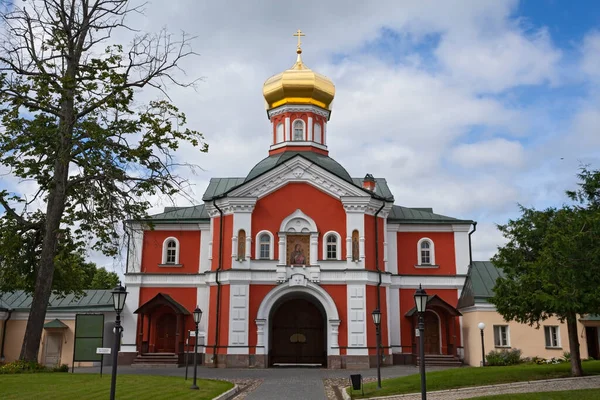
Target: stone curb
(231, 393)
(464, 389)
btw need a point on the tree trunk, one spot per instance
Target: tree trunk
(576, 369)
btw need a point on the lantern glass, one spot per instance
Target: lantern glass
(376, 314)
(119, 295)
(481, 326)
(421, 299)
(197, 315)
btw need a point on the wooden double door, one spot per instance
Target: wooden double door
(432, 333)
(298, 334)
(166, 330)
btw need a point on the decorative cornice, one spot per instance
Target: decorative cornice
(298, 108)
(230, 205)
(294, 143)
(395, 227)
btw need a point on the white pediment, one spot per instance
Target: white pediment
(298, 169)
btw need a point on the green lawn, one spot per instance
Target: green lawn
(472, 376)
(584, 394)
(91, 386)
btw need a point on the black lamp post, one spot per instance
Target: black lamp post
(119, 295)
(197, 318)
(481, 327)
(376, 314)
(421, 305)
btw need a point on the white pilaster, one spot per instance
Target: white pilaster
(357, 329)
(287, 129)
(281, 249)
(205, 238)
(203, 302)
(260, 336)
(238, 317)
(461, 252)
(392, 251)
(129, 320)
(393, 302)
(310, 129)
(314, 248)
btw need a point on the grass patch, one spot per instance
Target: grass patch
(472, 376)
(583, 394)
(91, 386)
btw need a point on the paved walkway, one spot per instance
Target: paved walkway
(549, 385)
(277, 383)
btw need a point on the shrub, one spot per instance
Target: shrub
(22, 367)
(61, 368)
(503, 357)
(567, 356)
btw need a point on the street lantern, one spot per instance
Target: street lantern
(421, 305)
(119, 294)
(421, 299)
(376, 314)
(481, 327)
(197, 318)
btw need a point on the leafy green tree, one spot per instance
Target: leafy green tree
(104, 279)
(70, 125)
(551, 263)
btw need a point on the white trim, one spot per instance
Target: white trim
(317, 292)
(338, 247)
(290, 143)
(320, 130)
(298, 109)
(309, 135)
(164, 252)
(558, 341)
(299, 215)
(500, 336)
(431, 262)
(271, 245)
(399, 227)
(483, 307)
(286, 133)
(293, 139)
(279, 139)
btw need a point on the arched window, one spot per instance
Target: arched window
(332, 247)
(318, 137)
(170, 254)
(298, 130)
(355, 248)
(241, 254)
(265, 246)
(279, 130)
(426, 252)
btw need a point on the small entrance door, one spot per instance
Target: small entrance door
(591, 333)
(53, 347)
(298, 334)
(432, 333)
(166, 326)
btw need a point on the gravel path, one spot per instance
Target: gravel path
(549, 385)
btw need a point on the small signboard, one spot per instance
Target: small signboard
(192, 333)
(103, 350)
(417, 332)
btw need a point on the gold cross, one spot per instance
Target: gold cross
(299, 34)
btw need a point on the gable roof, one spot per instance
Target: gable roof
(181, 214)
(161, 299)
(406, 215)
(479, 285)
(92, 300)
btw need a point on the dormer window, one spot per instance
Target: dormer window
(298, 130)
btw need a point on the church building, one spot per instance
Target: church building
(289, 262)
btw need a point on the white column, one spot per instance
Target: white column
(392, 251)
(210, 240)
(205, 239)
(203, 302)
(282, 249)
(394, 320)
(334, 327)
(357, 329)
(129, 319)
(238, 319)
(314, 248)
(310, 129)
(234, 247)
(287, 129)
(324, 134)
(461, 250)
(260, 336)
(348, 248)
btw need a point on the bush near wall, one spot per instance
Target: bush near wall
(503, 357)
(27, 367)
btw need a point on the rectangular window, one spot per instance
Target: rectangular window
(264, 250)
(425, 258)
(171, 256)
(501, 336)
(552, 336)
(331, 252)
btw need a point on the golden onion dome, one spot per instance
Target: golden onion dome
(298, 85)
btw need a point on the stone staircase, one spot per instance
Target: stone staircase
(441, 360)
(157, 360)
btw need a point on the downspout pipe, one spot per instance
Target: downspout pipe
(219, 267)
(470, 249)
(2, 358)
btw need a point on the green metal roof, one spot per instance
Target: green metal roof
(406, 215)
(218, 186)
(182, 214)
(590, 317)
(92, 300)
(479, 284)
(381, 187)
(55, 324)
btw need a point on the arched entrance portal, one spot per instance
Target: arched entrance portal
(298, 333)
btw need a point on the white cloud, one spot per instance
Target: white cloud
(490, 152)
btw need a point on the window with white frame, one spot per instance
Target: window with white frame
(332, 247)
(552, 336)
(501, 338)
(298, 130)
(170, 254)
(425, 252)
(279, 138)
(317, 135)
(264, 246)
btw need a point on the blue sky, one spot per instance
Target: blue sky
(469, 107)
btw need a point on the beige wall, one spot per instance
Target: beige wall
(528, 339)
(15, 332)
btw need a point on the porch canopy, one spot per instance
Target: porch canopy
(160, 300)
(436, 301)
